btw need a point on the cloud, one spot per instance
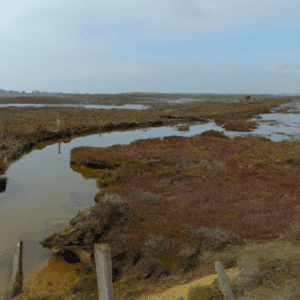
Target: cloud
(189, 42)
(286, 69)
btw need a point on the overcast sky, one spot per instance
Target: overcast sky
(166, 46)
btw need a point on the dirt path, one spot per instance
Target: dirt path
(181, 291)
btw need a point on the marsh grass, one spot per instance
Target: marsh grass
(18, 121)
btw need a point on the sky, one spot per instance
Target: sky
(163, 46)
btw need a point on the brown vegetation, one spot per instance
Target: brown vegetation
(198, 178)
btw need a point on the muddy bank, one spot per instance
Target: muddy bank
(19, 136)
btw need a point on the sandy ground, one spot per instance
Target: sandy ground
(179, 291)
(56, 280)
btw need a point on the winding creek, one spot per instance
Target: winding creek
(43, 193)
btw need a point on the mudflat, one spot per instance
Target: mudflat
(246, 186)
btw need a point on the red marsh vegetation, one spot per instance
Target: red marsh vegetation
(248, 186)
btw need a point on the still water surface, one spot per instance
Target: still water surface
(43, 193)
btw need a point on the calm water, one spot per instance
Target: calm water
(43, 193)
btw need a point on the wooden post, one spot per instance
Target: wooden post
(104, 271)
(57, 125)
(17, 276)
(223, 280)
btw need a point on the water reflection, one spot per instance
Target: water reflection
(3, 182)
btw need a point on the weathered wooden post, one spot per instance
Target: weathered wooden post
(57, 124)
(17, 275)
(57, 121)
(104, 271)
(223, 280)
